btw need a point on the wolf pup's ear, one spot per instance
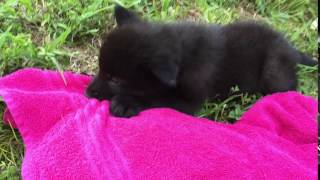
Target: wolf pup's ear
(124, 16)
(165, 71)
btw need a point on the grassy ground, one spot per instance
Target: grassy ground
(65, 35)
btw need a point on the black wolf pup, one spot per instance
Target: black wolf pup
(144, 64)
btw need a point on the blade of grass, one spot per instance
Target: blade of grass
(59, 40)
(92, 13)
(60, 70)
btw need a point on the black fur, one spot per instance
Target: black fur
(144, 65)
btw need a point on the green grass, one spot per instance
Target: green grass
(65, 35)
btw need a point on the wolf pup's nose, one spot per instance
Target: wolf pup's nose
(91, 93)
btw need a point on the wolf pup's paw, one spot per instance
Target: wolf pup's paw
(124, 106)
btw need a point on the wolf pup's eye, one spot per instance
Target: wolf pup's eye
(116, 80)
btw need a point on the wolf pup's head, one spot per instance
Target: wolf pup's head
(136, 59)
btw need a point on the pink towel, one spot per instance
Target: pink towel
(68, 136)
